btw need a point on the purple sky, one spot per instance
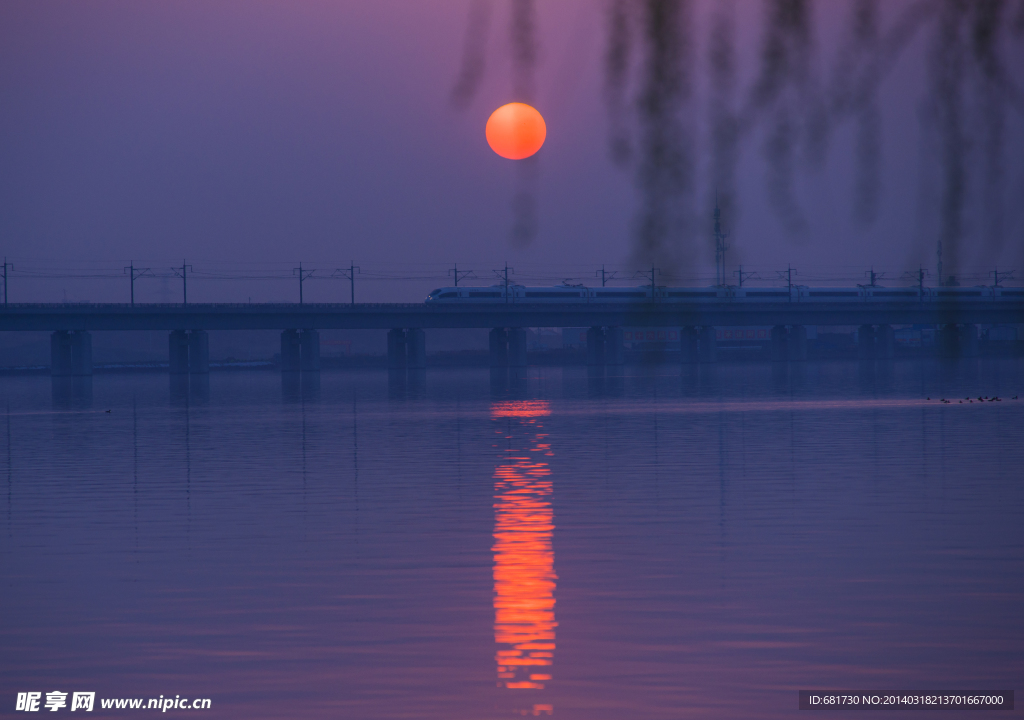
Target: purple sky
(247, 136)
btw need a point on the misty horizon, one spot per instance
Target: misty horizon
(328, 136)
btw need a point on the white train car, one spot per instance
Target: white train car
(513, 293)
(763, 294)
(575, 294)
(962, 294)
(646, 294)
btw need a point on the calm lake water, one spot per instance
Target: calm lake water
(661, 545)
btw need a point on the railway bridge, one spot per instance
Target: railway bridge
(71, 326)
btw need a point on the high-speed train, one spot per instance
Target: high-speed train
(645, 293)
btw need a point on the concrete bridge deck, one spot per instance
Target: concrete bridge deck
(265, 316)
(188, 325)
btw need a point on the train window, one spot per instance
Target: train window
(1012, 293)
(485, 294)
(756, 293)
(621, 294)
(893, 293)
(702, 293)
(443, 296)
(959, 293)
(546, 294)
(834, 293)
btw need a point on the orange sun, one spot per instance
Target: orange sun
(516, 131)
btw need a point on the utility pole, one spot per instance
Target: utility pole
(134, 274)
(504, 274)
(720, 246)
(644, 273)
(456, 273)
(182, 272)
(605, 276)
(788, 273)
(743, 275)
(350, 275)
(303, 274)
(998, 277)
(11, 266)
(873, 277)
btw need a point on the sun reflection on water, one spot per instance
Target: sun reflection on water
(524, 574)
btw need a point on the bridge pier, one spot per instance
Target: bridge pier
(407, 349)
(866, 342)
(397, 355)
(689, 343)
(309, 351)
(780, 344)
(177, 352)
(290, 344)
(417, 382)
(199, 352)
(969, 340)
(797, 343)
(885, 342)
(416, 348)
(188, 352)
(498, 342)
(956, 341)
(948, 340)
(71, 393)
(70, 353)
(517, 347)
(614, 348)
(60, 353)
(81, 353)
(708, 345)
(595, 346)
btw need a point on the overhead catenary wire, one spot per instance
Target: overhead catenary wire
(274, 273)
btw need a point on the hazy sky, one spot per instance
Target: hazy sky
(247, 136)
